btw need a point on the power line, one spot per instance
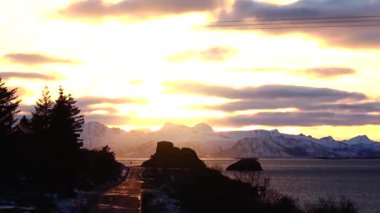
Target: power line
(299, 23)
(303, 18)
(293, 23)
(299, 27)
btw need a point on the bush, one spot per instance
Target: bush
(329, 205)
(99, 166)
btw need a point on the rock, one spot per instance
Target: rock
(246, 164)
(168, 156)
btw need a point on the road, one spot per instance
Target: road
(126, 197)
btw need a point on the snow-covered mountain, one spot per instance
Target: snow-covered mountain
(207, 142)
(274, 144)
(202, 138)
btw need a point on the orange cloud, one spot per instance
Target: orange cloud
(137, 8)
(28, 75)
(36, 58)
(213, 54)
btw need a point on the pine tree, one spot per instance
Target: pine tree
(41, 117)
(64, 149)
(8, 109)
(67, 122)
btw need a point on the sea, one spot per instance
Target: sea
(307, 180)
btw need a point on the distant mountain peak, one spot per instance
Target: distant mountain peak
(359, 139)
(94, 125)
(172, 126)
(202, 127)
(328, 138)
(275, 131)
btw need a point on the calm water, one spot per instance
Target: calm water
(309, 179)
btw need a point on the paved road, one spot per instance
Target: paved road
(125, 197)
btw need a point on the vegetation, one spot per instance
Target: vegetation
(208, 190)
(43, 152)
(199, 189)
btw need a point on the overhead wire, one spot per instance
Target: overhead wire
(299, 23)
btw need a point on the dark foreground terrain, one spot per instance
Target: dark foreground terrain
(187, 187)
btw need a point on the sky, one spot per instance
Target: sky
(137, 64)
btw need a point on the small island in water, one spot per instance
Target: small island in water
(168, 156)
(245, 164)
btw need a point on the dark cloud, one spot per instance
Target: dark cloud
(214, 54)
(269, 92)
(329, 72)
(35, 58)
(362, 107)
(365, 37)
(137, 8)
(28, 75)
(300, 119)
(302, 105)
(313, 106)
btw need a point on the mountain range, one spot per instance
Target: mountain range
(237, 144)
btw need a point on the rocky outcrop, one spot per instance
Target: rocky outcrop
(246, 164)
(168, 156)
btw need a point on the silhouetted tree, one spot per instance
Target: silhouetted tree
(63, 157)
(41, 117)
(66, 123)
(8, 109)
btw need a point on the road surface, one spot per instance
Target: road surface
(126, 197)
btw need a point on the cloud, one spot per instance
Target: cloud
(315, 72)
(310, 106)
(90, 104)
(28, 75)
(217, 54)
(105, 100)
(363, 37)
(108, 119)
(363, 107)
(35, 58)
(300, 119)
(212, 54)
(329, 72)
(270, 92)
(137, 8)
(301, 105)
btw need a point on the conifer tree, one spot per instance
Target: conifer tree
(41, 117)
(8, 109)
(67, 122)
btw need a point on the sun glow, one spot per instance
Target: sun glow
(117, 58)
